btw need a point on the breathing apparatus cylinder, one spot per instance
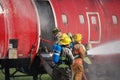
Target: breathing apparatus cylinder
(56, 57)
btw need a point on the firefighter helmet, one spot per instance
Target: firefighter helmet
(65, 41)
(64, 35)
(78, 37)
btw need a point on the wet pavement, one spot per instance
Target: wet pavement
(104, 68)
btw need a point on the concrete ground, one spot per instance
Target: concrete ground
(104, 68)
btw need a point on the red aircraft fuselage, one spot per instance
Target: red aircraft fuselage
(23, 23)
(26, 21)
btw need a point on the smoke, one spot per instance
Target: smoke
(106, 49)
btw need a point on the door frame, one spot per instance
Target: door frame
(89, 27)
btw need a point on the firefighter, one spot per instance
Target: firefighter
(57, 33)
(78, 53)
(65, 43)
(66, 56)
(63, 68)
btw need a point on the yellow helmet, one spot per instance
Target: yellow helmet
(64, 35)
(65, 41)
(78, 37)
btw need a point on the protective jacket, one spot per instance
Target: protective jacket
(66, 56)
(79, 54)
(79, 51)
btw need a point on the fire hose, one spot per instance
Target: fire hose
(84, 76)
(47, 41)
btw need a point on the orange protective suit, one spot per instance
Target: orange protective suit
(79, 54)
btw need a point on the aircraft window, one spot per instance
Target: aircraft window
(114, 18)
(64, 19)
(93, 18)
(81, 18)
(1, 10)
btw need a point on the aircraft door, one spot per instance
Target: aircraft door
(47, 22)
(94, 27)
